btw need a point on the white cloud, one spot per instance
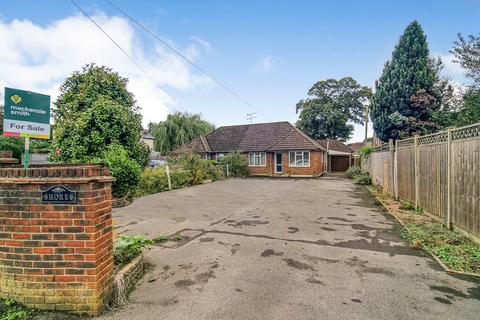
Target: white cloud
(450, 68)
(264, 64)
(39, 59)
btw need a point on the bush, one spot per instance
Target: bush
(180, 178)
(152, 180)
(237, 165)
(14, 144)
(125, 170)
(196, 166)
(365, 151)
(126, 248)
(363, 178)
(353, 171)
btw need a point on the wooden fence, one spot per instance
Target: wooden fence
(439, 173)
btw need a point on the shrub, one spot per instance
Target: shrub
(353, 171)
(363, 178)
(237, 165)
(214, 172)
(365, 151)
(152, 180)
(196, 166)
(126, 248)
(125, 170)
(180, 178)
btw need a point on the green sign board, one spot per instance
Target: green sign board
(26, 114)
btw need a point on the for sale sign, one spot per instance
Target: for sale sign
(26, 114)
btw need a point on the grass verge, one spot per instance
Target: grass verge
(455, 250)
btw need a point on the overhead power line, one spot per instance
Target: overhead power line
(177, 52)
(139, 66)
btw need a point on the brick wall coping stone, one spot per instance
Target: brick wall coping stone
(52, 174)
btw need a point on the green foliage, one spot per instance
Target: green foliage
(11, 310)
(126, 248)
(125, 170)
(178, 129)
(456, 251)
(470, 112)
(362, 178)
(365, 151)
(160, 238)
(410, 97)
(353, 171)
(467, 54)
(237, 164)
(196, 166)
(14, 144)
(185, 172)
(358, 175)
(331, 105)
(95, 110)
(407, 206)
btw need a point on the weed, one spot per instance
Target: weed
(456, 251)
(126, 248)
(11, 310)
(407, 206)
(176, 237)
(160, 238)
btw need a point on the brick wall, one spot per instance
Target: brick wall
(56, 256)
(315, 168)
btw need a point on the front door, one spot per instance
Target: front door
(278, 162)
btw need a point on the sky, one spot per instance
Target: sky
(268, 52)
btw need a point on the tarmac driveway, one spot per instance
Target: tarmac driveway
(284, 249)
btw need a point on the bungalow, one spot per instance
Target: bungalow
(271, 149)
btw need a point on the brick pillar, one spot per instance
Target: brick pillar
(56, 256)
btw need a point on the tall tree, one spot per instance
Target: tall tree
(93, 111)
(178, 129)
(467, 55)
(331, 105)
(409, 93)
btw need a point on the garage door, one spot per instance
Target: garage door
(339, 163)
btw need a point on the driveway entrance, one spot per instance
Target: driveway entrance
(284, 249)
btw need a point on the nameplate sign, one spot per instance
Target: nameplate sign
(59, 194)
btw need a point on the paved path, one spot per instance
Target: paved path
(285, 249)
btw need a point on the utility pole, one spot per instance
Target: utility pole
(366, 124)
(251, 116)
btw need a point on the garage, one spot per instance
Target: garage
(339, 155)
(339, 163)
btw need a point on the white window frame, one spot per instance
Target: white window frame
(300, 153)
(257, 156)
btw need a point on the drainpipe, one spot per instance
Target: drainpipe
(328, 148)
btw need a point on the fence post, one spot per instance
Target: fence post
(393, 150)
(167, 170)
(449, 179)
(417, 163)
(228, 171)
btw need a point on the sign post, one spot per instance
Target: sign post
(26, 114)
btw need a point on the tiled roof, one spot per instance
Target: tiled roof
(252, 137)
(335, 145)
(295, 140)
(194, 146)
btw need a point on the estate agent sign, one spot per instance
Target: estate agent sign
(26, 114)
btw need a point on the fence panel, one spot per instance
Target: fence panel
(406, 173)
(433, 195)
(426, 159)
(465, 196)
